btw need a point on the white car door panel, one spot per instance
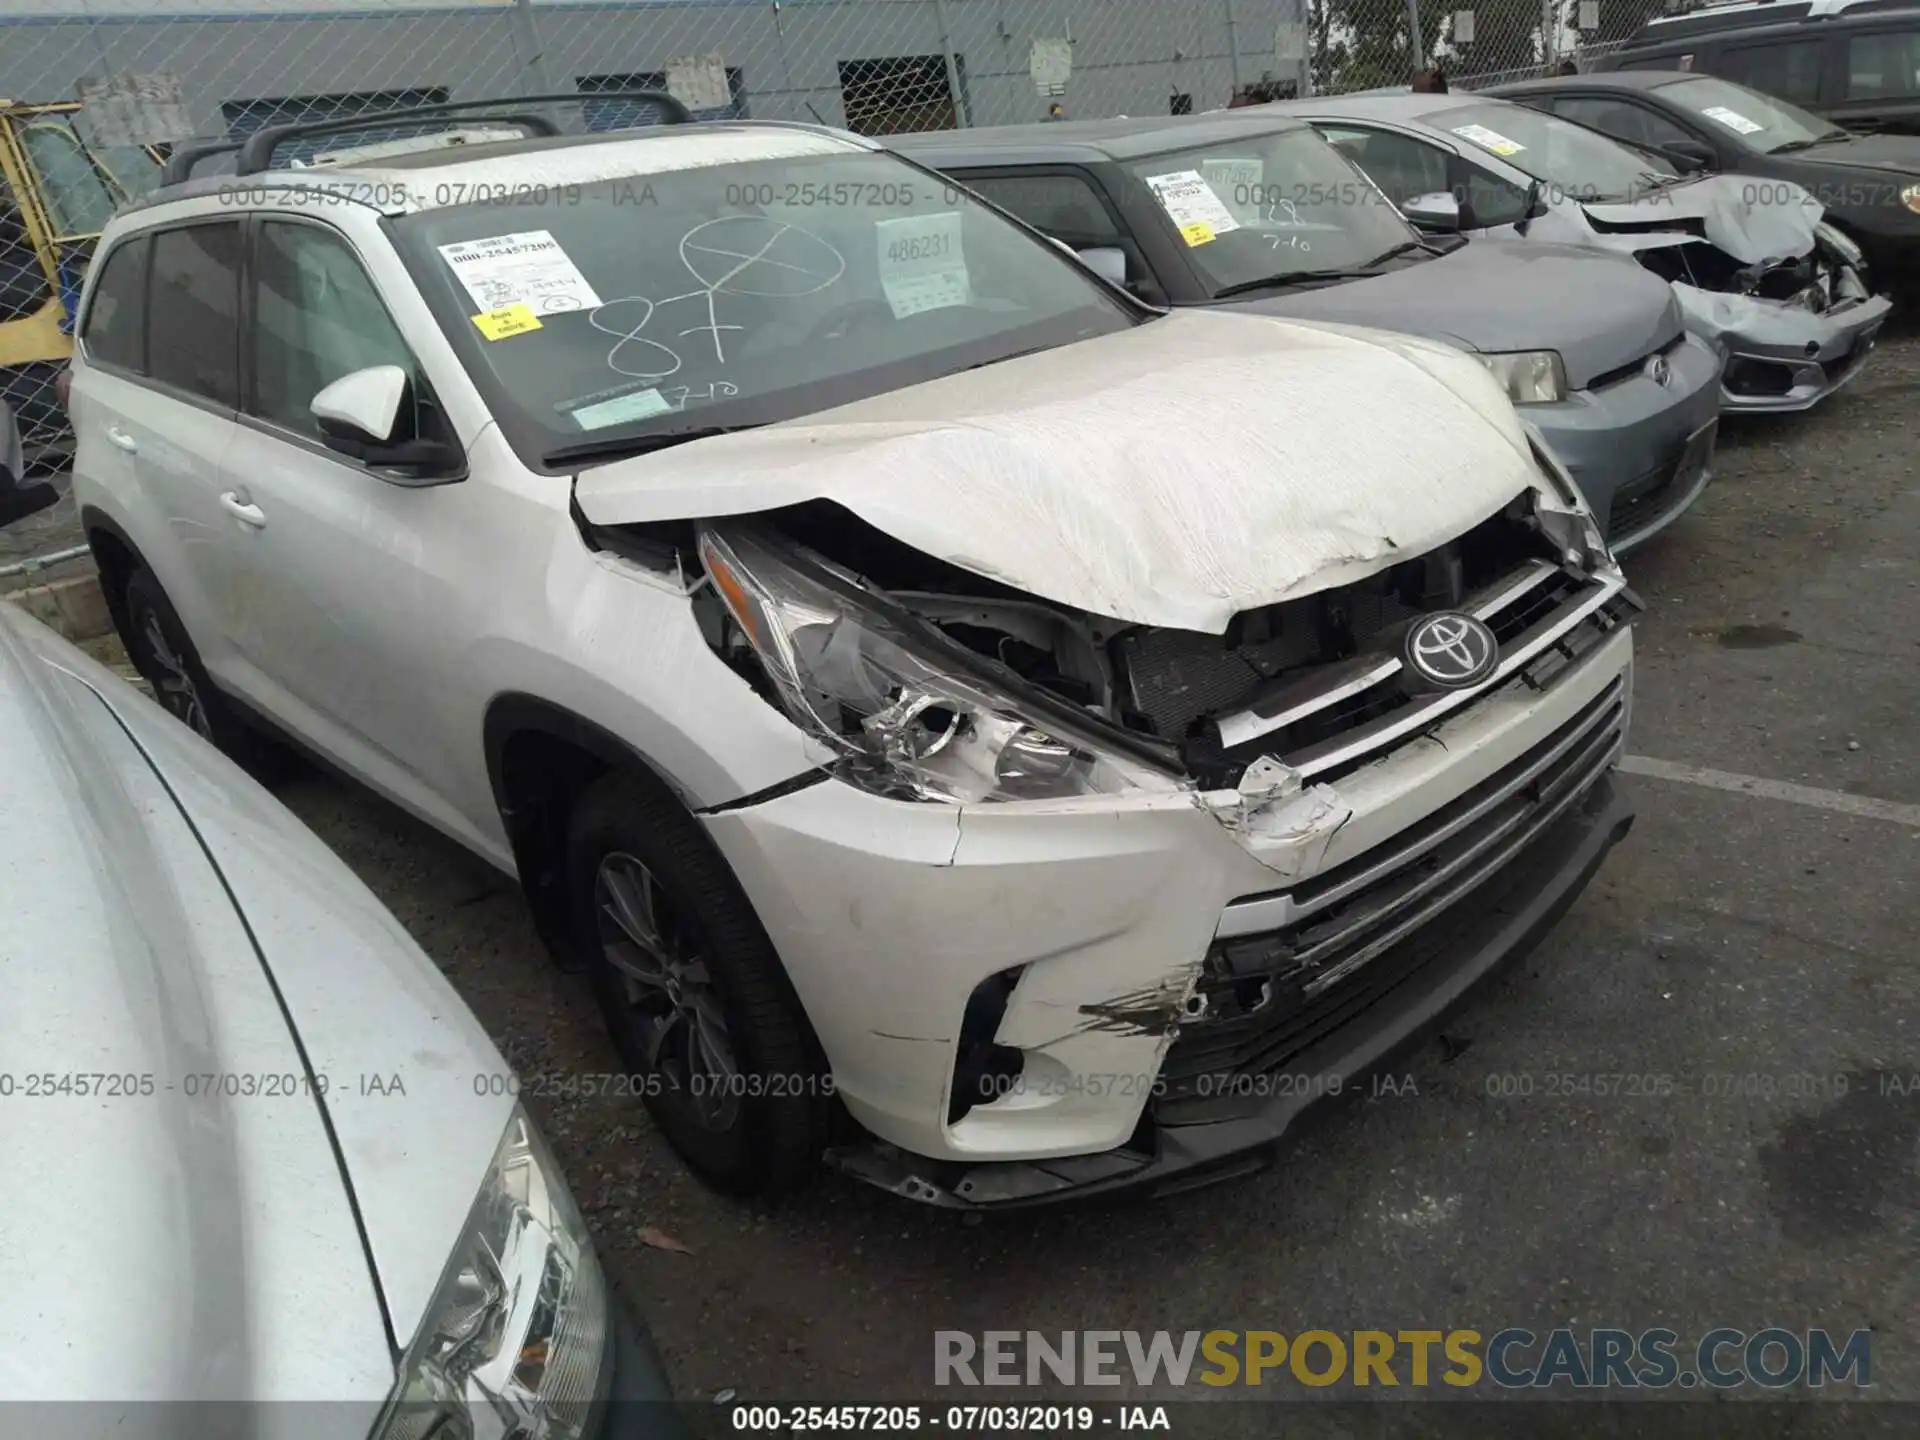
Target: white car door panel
(349, 585)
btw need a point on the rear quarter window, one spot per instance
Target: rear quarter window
(115, 328)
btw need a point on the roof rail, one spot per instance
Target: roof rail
(1720, 17)
(256, 150)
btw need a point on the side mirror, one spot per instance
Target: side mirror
(1690, 155)
(1433, 212)
(359, 413)
(1109, 262)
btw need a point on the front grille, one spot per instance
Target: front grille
(1330, 723)
(1290, 969)
(1747, 375)
(1174, 680)
(1634, 368)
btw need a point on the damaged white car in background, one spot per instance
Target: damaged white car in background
(973, 725)
(1755, 266)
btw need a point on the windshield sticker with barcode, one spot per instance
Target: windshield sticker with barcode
(1192, 205)
(528, 268)
(1489, 139)
(1732, 119)
(922, 265)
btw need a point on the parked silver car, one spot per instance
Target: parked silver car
(1755, 267)
(259, 1150)
(1253, 210)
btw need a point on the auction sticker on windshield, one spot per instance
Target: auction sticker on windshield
(1489, 139)
(1732, 119)
(922, 266)
(1192, 206)
(508, 321)
(528, 268)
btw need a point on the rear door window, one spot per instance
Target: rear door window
(193, 311)
(1884, 66)
(115, 330)
(1789, 69)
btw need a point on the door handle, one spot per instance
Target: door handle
(120, 440)
(243, 511)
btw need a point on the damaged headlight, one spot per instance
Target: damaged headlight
(1838, 243)
(905, 723)
(514, 1342)
(1532, 377)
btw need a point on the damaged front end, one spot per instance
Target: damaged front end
(923, 680)
(1796, 325)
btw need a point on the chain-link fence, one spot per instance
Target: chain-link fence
(223, 68)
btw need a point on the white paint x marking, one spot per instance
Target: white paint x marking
(1836, 800)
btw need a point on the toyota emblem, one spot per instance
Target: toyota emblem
(1451, 651)
(1659, 371)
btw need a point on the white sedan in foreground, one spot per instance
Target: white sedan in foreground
(260, 1151)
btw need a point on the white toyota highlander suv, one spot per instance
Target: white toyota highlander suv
(1003, 737)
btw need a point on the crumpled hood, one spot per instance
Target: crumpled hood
(1174, 473)
(1775, 224)
(1600, 311)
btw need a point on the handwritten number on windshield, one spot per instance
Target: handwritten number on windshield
(733, 255)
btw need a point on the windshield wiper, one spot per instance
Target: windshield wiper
(609, 447)
(1827, 139)
(1344, 272)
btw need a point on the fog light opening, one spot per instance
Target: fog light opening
(983, 1069)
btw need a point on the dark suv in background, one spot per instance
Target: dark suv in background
(1857, 64)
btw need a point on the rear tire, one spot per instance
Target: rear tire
(157, 644)
(693, 992)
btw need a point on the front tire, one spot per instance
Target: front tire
(692, 991)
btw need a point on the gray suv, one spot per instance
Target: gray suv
(1265, 215)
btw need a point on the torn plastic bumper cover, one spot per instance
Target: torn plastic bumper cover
(1783, 355)
(1509, 916)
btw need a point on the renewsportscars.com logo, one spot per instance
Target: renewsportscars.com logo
(1510, 1359)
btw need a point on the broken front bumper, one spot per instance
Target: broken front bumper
(1104, 922)
(1633, 440)
(1780, 355)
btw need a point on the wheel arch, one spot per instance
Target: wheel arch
(540, 757)
(115, 556)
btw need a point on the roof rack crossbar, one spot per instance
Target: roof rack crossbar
(183, 158)
(256, 150)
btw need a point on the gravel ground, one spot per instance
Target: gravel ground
(1730, 935)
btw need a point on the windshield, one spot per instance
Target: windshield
(1760, 120)
(1571, 159)
(735, 294)
(79, 199)
(1269, 206)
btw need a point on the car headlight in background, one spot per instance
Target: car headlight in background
(1838, 242)
(905, 723)
(1532, 377)
(514, 1341)
(1910, 197)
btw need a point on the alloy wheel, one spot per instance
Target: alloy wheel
(173, 685)
(672, 1002)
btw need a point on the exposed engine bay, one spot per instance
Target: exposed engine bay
(1818, 280)
(969, 689)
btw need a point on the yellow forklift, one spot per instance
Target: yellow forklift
(57, 190)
